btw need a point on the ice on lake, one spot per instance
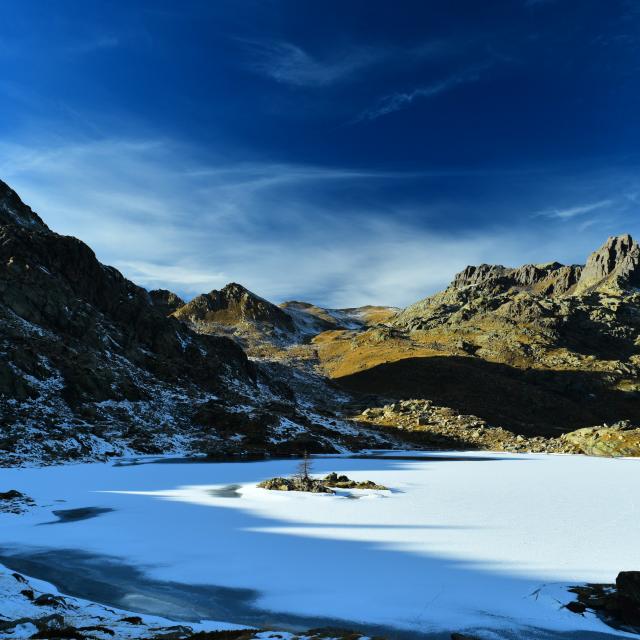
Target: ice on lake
(461, 542)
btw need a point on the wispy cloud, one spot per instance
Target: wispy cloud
(290, 64)
(397, 101)
(572, 212)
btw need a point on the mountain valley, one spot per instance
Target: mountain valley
(94, 366)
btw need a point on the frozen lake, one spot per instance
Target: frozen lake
(471, 542)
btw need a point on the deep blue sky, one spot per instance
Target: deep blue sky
(340, 152)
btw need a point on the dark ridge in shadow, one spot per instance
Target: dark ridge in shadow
(590, 337)
(527, 402)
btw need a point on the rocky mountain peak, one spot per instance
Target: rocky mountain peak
(232, 305)
(615, 264)
(15, 212)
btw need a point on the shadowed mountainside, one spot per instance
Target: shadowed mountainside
(528, 402)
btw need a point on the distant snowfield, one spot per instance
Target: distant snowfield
(477, 542)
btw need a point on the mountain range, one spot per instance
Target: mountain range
(95, 366)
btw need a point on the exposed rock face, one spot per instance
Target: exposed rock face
(429, 425)
(14, 211)
(166, 301)
(547, 279)
(617, 440)
(489, 287)
(546, 300)
(628, 588)
(615, 264)
(234, 305)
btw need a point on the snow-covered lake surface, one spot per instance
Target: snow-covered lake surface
(461, 542)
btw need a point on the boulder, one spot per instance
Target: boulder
(628, 588)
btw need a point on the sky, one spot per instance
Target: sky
(342, 153)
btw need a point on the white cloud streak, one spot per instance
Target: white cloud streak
(402, 100)
(571, 212)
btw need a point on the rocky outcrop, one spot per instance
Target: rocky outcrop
(618, 605)
(547, 279)
(318, 485)
(615, 265)
(442, 427)
(620, 439)
(13, 501)
(339, 481)
(15, 212)
(305, 485)
(166, 301)
(424, 423)
(486, 288)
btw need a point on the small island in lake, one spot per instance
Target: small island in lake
(302, 481)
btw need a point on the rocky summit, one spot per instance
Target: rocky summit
(615, 266)
(235, 307)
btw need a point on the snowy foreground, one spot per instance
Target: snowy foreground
(482, 543)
